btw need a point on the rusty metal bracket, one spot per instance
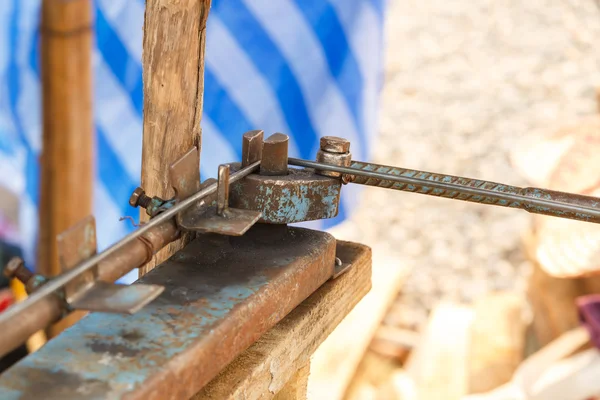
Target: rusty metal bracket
(220, 218)
(340, 268)
(86, 292)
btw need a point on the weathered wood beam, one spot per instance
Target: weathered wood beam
(173, 71)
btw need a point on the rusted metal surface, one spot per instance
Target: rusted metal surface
(138, 252)
(340, 268)
(221, 218)
(301, 195)
(223, 189)
(12, 314)
(184, 174)
(222, 294)
(46, 312)
(275, 155)
(108, 297)
(533, 200)
(252, 146)
(50, 309)
(233, 221)
(335, 151)
(16, 269)
(76, 244)
(139, 198)
(334, 144)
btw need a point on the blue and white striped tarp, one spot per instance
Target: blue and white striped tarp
(308, 68)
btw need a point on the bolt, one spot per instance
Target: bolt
(333, 144)
(139, 198)
(16, 269)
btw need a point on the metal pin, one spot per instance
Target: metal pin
(252, 147)
(275, 155)
(223, 190)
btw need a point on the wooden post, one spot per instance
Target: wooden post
(67, 155)
(173, 70)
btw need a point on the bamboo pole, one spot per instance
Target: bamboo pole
(67, 155)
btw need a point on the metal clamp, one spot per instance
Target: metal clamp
(86, 292)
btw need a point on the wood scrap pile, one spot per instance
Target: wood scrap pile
(508, 345)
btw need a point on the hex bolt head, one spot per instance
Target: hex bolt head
(16, 269)
(334, 144)
(139, 198)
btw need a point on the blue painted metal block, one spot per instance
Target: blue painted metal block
(221, 294)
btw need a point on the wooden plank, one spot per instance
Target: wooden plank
(265, 368)
(438, 366)
(67, 156)
(497, 340)
(553, 304)
(296, 387)
(173, 73)
(329, 377)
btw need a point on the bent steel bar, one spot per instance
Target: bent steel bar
(533, 200)
(56, 284)
(221, 294)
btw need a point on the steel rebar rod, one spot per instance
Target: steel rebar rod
(533, 200)
(61, 280)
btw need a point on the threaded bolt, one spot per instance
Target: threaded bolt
(139, 198)
(16, 269)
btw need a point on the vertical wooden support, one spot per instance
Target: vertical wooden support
(67, 155)
(173, 65)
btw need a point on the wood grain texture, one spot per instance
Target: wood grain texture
(173, 74)
(497, 344)
(438, 366)
(67, 155)
(67, 160)
(263, 370)
(329, 377)
(296, 388)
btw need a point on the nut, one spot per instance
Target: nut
(333, 144)
(341, 160)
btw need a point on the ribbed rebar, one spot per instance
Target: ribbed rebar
(534, 200)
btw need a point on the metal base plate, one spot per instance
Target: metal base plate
(221, 294)
(234, 221)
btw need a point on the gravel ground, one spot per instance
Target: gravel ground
(466, 82)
